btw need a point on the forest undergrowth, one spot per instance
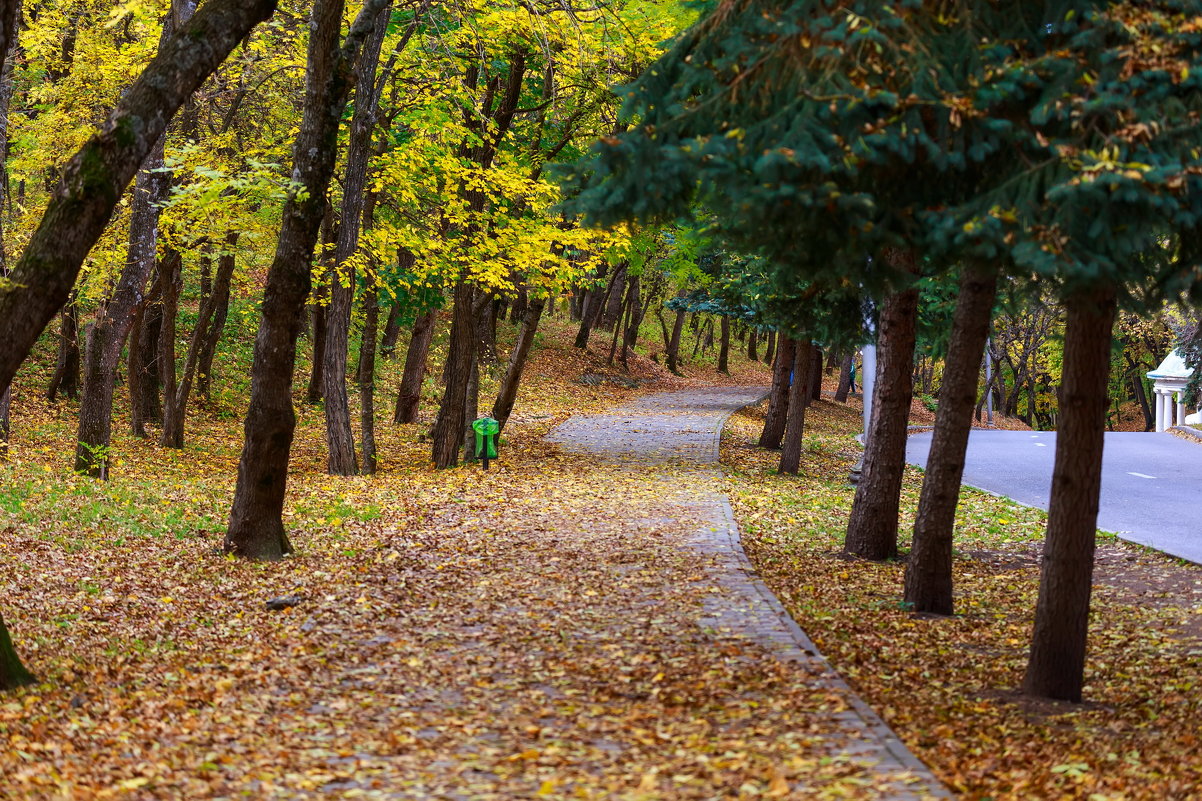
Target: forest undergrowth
(947, 686)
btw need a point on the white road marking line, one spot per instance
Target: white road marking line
(1040, 445)
(1139, 475)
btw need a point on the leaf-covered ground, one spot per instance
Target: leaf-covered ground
(947, 686)
(529, 631)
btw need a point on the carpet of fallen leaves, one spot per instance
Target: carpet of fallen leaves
(530, 631)
(948, 686)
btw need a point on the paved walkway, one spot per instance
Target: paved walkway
(679, 432)
(1150, 482)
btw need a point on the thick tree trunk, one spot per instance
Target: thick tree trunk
(256, 527)
(221, 309)
(724, 347)
(1057, 664)
(508, 393)
(844, 379)
(752, 343)
(447, 435)
(208, 330)
(615, 299)
(872, 529)
(66, 366)
(778, 402)
(410, 394)
(790, 452)
(367, 374)
(340, 439)
(929, 570)
(91, 183)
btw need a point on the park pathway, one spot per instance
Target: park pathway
(674, 437)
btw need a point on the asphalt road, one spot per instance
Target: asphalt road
(1151, 483)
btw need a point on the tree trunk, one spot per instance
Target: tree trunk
(508, 393)
(790, 452)
(724, 347)
(615, 299)
(115, 317)
(340, 439)
(1057, 664)
(673, 355)
(172, 268)
(929, 570)
(872, 529)
(9, 13)
(145, 377)
(815, 376)
(844, 379)
(221, 309)
(415, 369)
(770, 349)
(592, 306)
(778, 401)
(367, 374)
(448, 429)
(91, 183)
(66, 367)
(752, 343)
(12, 673)
(256, 527)
(204, 336)
(392, 330)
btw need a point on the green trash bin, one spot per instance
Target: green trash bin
(486, 429)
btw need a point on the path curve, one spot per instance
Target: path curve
(681, 431)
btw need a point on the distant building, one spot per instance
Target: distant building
(1169, 380)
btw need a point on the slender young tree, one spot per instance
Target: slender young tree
(790, 452)
(778, 401)
(256, 526)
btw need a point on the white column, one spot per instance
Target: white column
(1159, 409)
(1181, 408)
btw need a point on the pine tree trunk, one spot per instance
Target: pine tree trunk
(778, 401)
(790, 452)
(770, 349)
(929, 569)
(221, 309)
(844, 379)
(66, 367)
(872, 529)
(415, 369)
(724, 347)
(508, 393)
(12, 673)
(815, 376)
(1057, 664)
(256, 527)
(752, 343)
(367, 374)
(448, 429)
(82, 202)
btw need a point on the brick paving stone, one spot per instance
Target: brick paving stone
(679, 433)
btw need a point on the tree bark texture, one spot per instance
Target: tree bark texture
(144, 351)
(778, 401)
(9, 12)
(208, 330)
(12, 673)
(452, 413)
(367, 373)
(1057, 664)
(724, 346)
(508, 393)
(221, 310)
(790, 452)
(752, 343)
(673, 354)
(410, 394)
(872, 529)
(844, 379)
(173, 276)
(815, 376)
(256, 526)
(770, 348)
(66, 367)
(929, 569)
(340, 439)
(591, 307)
